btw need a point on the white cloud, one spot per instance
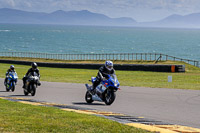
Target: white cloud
(7, 3)
(11, 2)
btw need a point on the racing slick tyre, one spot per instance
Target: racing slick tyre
(25, 93)
(33, 89)
(13, 87)
(109, 97)
(88, 97)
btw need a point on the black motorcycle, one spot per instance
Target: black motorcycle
(31, 84)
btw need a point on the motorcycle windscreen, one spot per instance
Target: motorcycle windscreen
(13, 75)
(114, 80)
(35, 74)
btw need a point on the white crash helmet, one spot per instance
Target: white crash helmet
(109, 65)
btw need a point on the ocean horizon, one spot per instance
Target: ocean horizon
(64, 39)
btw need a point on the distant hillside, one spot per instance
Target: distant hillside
(83, 17)
(177, 21)
(17, 16)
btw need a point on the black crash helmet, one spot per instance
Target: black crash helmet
(34, 65)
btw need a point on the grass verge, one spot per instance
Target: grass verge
(18, 117)
(188, 80)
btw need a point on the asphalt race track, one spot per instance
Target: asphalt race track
(173, 106)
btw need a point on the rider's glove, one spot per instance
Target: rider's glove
(104, 78)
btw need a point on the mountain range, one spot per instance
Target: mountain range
(85, 17)
(176, 21)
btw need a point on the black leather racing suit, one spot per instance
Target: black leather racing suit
(105, 72)
(30, 72)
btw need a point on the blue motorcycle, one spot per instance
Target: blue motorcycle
(11, 82)
(104, 92)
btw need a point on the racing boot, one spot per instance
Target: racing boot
(92, 89)
(38, 83)
(23, 86)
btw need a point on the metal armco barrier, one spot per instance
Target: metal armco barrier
(127, 67)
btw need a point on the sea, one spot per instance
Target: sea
(63, 39)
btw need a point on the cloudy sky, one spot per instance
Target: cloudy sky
(140, 10)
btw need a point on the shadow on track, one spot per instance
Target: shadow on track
(19, 96)
(84, 103)
(4, 91)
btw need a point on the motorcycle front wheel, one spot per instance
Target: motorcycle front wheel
(33, 89)
(88, 97)
(13, 87)
(109, 97)
(7, 89)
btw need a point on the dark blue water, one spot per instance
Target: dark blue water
(183, 43)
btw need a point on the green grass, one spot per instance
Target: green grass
(18, 117)
(188, 80)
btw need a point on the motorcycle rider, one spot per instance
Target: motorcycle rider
(12, 69)
(105, 70)
(31, 72)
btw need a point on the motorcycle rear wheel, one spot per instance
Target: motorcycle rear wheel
(7, 88)
(88, 97)
(25, 93)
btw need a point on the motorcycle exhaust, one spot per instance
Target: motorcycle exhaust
(88, 87)
(96, 98)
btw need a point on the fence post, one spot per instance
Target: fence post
(128, 56)
(132, 56)
(160, 57)
(136, 56)
(150, 56)
(145, 56)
